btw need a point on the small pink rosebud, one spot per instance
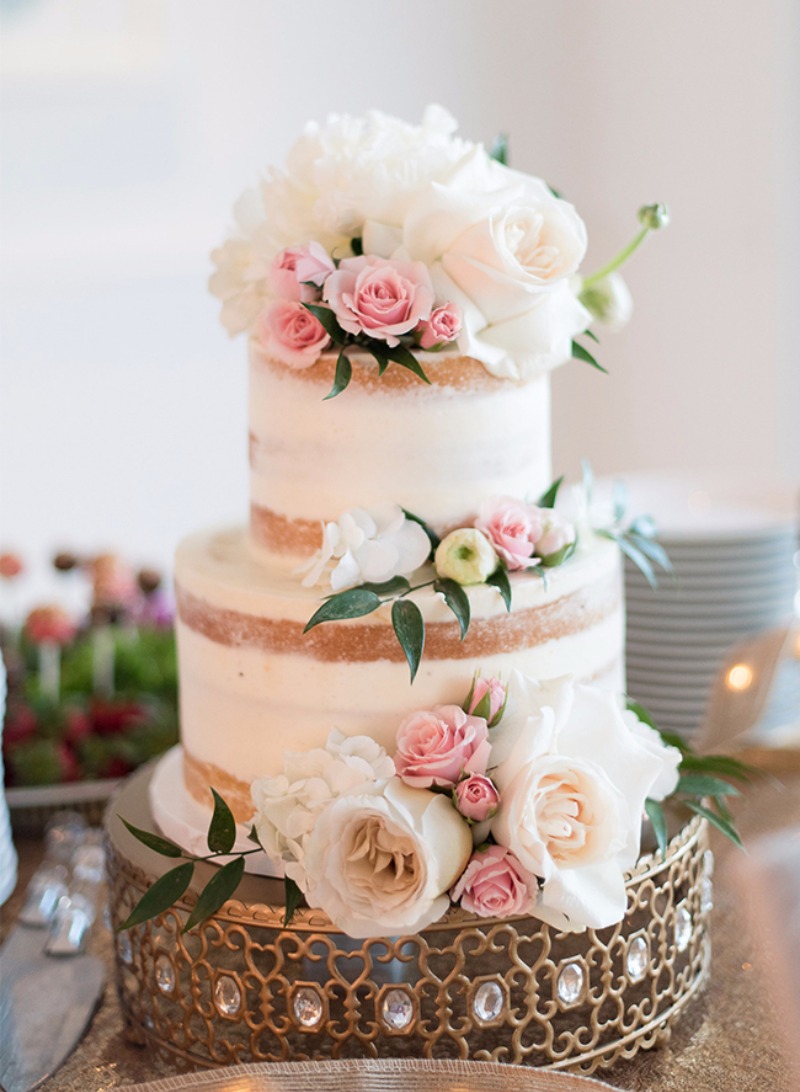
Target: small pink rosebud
(476, 798)
(487, 698)
(441, 328)
(494, 884)
(557, 540)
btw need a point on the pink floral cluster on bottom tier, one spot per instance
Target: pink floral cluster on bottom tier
(526, 799)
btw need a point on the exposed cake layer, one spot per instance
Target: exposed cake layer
(253, 684)
(437, 450)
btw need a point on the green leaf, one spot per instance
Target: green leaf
(222, 828)
(644, 525)
(619, 492)
(592, 335)
(499, 149)
(556, 193)
(651, 549)
(720, 764)
(357, 246)
(293, 896)
(673, 739)
(579, 353)
(499, 580)
(697, 784)
(637, 557)
(549, 497)
(253, 835)
(723, 825)
(655, 813)
(216, 892)
(457, 600)
(432, 536)
(342, 376)
(409, 629)
(405, 358)
(327, 319)
(354, 603)
(153, 841)
(164, 893)
(395, 586)
(641, 713)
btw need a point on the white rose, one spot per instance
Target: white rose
(573, 779)
(498, 243)
(368, 547)
(667, 779)
(288, 806)
(381, 863)
(610, 301)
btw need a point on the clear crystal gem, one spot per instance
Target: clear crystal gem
(227, 996)
(683, 927)
(307, 1005)
(569, 985)
(165, 974)
(125, 948)
(487, 1004)
(636, 959)
(706, 894)
(397, 1009)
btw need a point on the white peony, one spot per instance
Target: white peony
(288, 806)
(368, 546)
(381, 863)
(573, 776)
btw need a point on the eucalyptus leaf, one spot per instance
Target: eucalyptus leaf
(499, 580)
(433, 538)
(293, 896)
(644, 525)
(619, 494)
(638, 558)
(697, 784)
(222, 828)
(342, 376)
(579, 353)
(499, 149)
(655, 813)
(164, 893)
(153, 841)
(409, 629)
(549, 497)
(327, 320)
(396, 586)
(353, 603)
(216, 892)
(651, 549)
(457, 600)
(406, 359)
(717, 821)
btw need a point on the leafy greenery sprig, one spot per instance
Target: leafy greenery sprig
(704, 785)
(407, 621)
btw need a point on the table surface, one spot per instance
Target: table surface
(731, 1038)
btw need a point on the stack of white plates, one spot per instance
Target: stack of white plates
(735, 573)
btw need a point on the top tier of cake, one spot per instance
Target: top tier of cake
(437, 450)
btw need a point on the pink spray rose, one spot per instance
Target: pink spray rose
(379, 297)
(442, 327)
(291, 334)
(513, 528)
(494, 884)
(437, 747)
(557, 539)
(487, 699)
(476, 798)
(291, 271)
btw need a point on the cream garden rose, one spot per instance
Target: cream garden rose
(381, 863)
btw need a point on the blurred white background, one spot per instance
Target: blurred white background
(130, 126)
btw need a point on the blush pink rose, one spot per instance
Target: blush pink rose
(291, 271)
(442, 327)
(437, 747)
(513, 528)
(494, 884)
(379, 297)
(476, 798)
(289, 333)
(557, 537)
(487, 699)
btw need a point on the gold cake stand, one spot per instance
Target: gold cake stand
(241, 988)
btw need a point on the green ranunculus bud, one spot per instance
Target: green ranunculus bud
(653, 216)
(466, 556)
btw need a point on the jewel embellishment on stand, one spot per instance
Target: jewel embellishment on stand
(227, 995)
(569, 984)
(165, 974)
(637, 959)
(683, 927)
(488, 1002)
(397, 1010)
(307, 1007)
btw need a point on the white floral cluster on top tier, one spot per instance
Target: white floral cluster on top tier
(523, 801)
(406, 235)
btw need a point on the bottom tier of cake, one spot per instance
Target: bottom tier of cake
(243, 988)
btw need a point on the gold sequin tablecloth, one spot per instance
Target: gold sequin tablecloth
(731, 1039)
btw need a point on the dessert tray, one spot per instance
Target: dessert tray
(243, 988)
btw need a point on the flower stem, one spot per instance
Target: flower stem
(615, 263)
